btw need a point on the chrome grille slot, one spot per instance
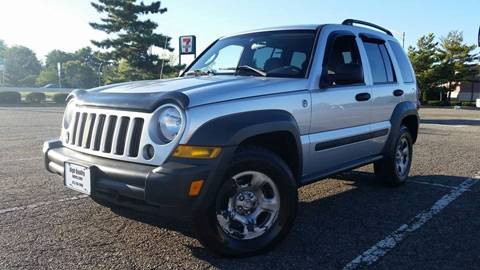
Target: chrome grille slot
(136, 135)
(75, 124)
(81, 128)
(122, 135)
(98, 131)
(109, 135)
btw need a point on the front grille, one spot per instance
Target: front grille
(111, 134)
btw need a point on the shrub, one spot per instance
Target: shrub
(35, 97)
(10, 97)
(456, 103)
(59, 98)
(434, 103)
(468, 104)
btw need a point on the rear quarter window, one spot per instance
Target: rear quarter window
(403, 62)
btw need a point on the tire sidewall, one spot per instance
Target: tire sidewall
(213, 237)
(404, 133)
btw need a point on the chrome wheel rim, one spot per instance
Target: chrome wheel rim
(252, 206)
(402, 157)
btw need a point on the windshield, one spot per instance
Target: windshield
(269, 54)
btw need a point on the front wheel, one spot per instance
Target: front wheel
(254, 207)
(395, 166)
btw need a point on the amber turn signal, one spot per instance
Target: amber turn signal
(184, 151)
(195, 188)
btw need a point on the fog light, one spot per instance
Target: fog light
(183, 151)
(148, 152)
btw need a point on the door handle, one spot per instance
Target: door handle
(362, 97)
(398, 92)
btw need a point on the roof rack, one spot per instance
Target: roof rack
(352, 21)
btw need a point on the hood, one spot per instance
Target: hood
(146, 96)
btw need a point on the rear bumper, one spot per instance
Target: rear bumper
(159, 190)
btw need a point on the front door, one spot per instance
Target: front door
(341, 107)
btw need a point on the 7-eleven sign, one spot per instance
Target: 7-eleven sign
(187, 44)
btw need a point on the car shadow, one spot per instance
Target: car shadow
(330, 231)
(451, 122)
(331, 228)
(181, 225)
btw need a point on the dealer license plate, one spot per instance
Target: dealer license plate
(77, 177)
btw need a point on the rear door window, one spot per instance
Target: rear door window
(403, 62)
(380, 63)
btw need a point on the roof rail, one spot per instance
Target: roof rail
(352, 21)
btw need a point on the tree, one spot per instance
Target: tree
(423, 58)
(78, 75)
(21, 66)
(454, 56)
(3, 48)
(131, 38)
(87, 56)
(48, 75)
(58, 56)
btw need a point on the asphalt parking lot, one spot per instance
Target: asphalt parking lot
(348, 221)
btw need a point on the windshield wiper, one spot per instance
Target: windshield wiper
(199, 72)
(248, 68)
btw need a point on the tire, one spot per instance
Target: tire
(394, 168)
(220, 232)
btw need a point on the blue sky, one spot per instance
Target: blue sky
(60, 24)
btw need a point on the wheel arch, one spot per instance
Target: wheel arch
(405, 113)
(275, 130)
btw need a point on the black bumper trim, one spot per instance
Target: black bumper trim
(162, 190)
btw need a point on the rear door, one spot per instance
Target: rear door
(386, 91)
(341, 105)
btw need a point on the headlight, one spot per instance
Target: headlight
(169, 123)
(68, 115)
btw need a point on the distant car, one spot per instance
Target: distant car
(50, 85)
(252, 119)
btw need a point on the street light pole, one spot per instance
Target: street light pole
(99, 74)
(163, 60)
(59, 71)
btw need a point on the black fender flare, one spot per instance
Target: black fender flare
(233, 129)
(402, 110)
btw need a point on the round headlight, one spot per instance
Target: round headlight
(169, 123)
(68, 115)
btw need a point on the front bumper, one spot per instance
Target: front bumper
(161, 190)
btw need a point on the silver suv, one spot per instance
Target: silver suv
(256, 116)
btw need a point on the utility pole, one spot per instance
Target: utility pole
(59, 71)
(163, 60)
(2, 66)
(99, 74)
(400, 35)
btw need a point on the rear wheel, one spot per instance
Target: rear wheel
(254, 207)
(395, 166)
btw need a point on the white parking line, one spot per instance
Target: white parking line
(431, 184)
(381, 248)
(35, 205)
(20, 159)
